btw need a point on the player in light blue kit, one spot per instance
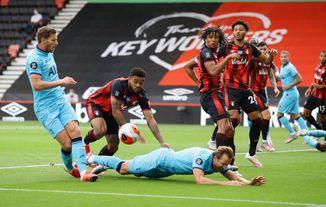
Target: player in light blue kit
(51, 107)
(289, 102)
(165, 162)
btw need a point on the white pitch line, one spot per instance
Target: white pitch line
(59, 164)
(160, 196)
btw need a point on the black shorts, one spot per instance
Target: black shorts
(244, 98)
(213, 103)
(261, 99)
(95, 111)
(313, 102)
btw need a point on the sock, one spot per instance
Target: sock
(213, 137)
(313, 121)
(265, 128)
(285, 122)
(301, 123)
(78, 153)
(90, 137)
(317, 133)
(254, 133)
(249, 123)
(112, 162)
(310, 141)
(67, 159)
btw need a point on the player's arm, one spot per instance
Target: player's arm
(319, 86)
(189, 68)
(202, 180)
(267, 59)
(273, 82)
(217, 68)
(116, 111)
(308, 91)
(38, 84)
(152, 125)
(276, 72)
(297, 81)
(256, 181)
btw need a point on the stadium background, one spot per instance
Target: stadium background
(106, 38)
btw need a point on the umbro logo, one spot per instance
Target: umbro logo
(14, 109)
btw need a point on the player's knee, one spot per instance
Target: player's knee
(306, 114)
(74, 131)
(266, 115)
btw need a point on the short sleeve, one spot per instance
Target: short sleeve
(117, 90)
(33, 66)
(198, 162)
(206, 55)
(144, 102)
(255, 51)
(293, 71)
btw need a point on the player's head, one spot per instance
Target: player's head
(47, 38)
(136, 79)
(240, 28)
(285, 56)
(262, 46)
(213, 37)
(322, 57)
(222, 157)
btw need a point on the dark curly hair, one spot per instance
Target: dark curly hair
(209, 30)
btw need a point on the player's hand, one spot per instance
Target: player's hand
(307, 93)
(142, 139)
(68, 81)
(276, 92)
(257, 181)
(234, 55)
(317, 86)
(166, 145)
(234, 183)
(286, 88)
(273, 52)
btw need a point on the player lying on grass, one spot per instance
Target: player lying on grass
(165, 162)
(314, 133)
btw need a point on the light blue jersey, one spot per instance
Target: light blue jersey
(289, 102)
(50, 105)
(164, 162)
(42, 63)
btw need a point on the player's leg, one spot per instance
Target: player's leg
(322, 115)
(315, 133)
(109, 162)
(112, 138)
(309, 106)
(266, 115)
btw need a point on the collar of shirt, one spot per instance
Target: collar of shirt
(41, 52)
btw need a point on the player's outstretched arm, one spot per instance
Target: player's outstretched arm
(202, 180)
(189, 68)
(116, 111)
(256, 181)
(272, 79)
(268, 59)
(38, 84)
(215, 69)
(152, 124)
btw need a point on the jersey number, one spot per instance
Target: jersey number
(252, 99)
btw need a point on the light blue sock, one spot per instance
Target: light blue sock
(249, 123)
(317, 133)
(111, 162)
(301, 123)
(67, 159)
(310, 141)
(78, 153)
(285, 122)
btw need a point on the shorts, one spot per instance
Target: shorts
(289, 103)
(262, 100)
(95, 111)
(313, 102)
(213, 103)
(148, 165)
(244, 98)
(56, 117)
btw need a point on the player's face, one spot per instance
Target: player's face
(212, 40)
(322, 58)
(263, 49)
(222, 163)
(239, 32)
(136, 83)
(51, 43)
(284, 58)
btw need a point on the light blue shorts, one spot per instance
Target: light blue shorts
(148, 165)
(289, 103)
(56, 117)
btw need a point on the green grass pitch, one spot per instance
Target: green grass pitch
(294, 178)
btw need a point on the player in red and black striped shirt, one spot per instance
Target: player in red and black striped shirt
(237, 88)
(104, 108)
(210, 84)
(316, 94)
(258, 80)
